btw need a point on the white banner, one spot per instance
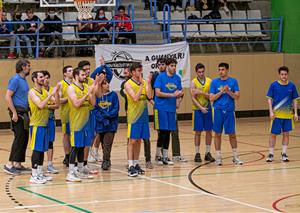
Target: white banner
(120, 56)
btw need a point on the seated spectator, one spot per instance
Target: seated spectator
(20, 29)
(6, 31)
(122, 27)
(85, 27)
(101, 27)
(32, 26)
(54, 31)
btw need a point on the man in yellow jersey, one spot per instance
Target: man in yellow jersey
(80, 97)
(64, 111)
(137, 90)
(51, 124)
(38, 99)
(202, 114)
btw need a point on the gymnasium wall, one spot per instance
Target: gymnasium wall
(254, 72)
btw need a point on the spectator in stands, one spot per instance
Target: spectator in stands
(7, 29)
(85, 27)
(101, 27)
(33, 25)
(125, 28)
(20, 29)
(54, 31)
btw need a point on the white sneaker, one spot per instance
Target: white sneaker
(88, 170)
(37, 180)
(47, 178)
(51, 169)
(236, 160)
(97, 156)
(158, 160)
(83, 175)
(91, 158)
(167, 161)
(72, 177)
(218, 161)
(179, 159)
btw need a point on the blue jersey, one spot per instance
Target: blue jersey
(20, 87)
(282, 96)
(225, 101)
(166, 84)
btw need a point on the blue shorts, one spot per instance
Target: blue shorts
(279, 125)
(164, 120)
(91, 129)
(202, 121)
(138, 130)
(65, 128)
(39, 138)
(223, 118)
(79, 138)
(51, 129)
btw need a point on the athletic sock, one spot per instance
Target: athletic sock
(34, 172)
(271, 150)
(130, 163)
(235, 153)
(135, 162)
(165, 153)
(207, 149)
(218, 153)
(80, 166)
(71, 168)
(158, 151)
(284, 148)
(197, 149)
(40, 170)
(50, 163)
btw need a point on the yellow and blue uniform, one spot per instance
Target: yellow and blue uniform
(202, 121)
(79, 117)
(51, 121)
(137, 113)
(165, 108)
(64, 109)
(224, 106)
(38, 123)
(282, 96)
(92, 119)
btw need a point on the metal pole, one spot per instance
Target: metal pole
(280, 36)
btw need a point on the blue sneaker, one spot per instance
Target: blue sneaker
(11, 171)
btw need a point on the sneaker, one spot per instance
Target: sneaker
(132, 172)
(209, 158)
(218, 161)
(23, 169)
(11, 171)
(198, 158)
(72, 177)
(167, 161)
(37, 180)
(51, 169)
(83, 175)
(105, 164)
(158, 160)
(97, 156)
(284, 157)
(91, 158)
(179, 159)
(47, 178)
(88, 170)
(149, 165)
(139, 169)
(11, 56)
(236, 160)
(270, 158)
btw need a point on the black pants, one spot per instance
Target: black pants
(19, 145)
(163, 139)
(147, 149)
(175, 141)
(107, 140)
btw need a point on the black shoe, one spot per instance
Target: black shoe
(105, 164)
(66, 161)
(270, 158)
(198, 158)
(209, 158)
(139, 169)
(132, 172)
(284, 157)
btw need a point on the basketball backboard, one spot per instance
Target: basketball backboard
(70, 3)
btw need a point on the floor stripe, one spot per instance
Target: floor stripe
(274, 205)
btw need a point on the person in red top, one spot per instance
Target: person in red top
(125, 28)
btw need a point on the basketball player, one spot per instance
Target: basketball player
(202, 115)
(137, 90)
(167, 90)
(38, 99)
(64, 111)
(282, 98)
(224, 91)
(80, 97)
(51, 124)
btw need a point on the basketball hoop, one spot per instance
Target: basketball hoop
(84, 8)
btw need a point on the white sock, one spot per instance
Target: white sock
(284, 148)
(218, 153)
(80, 166)
(130, 163)
(40, 170)
(158, 151)
(71, 168)
(207, 148)
(235, 154)
(165, 153)
(197, 149)
(271, 150)
(50, 163)
(34, 172)
(135, 162)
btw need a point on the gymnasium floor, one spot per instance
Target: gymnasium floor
(185, 187)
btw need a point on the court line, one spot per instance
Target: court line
(274, 204)
(200, 192)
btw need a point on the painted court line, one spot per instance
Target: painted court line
(200, 192)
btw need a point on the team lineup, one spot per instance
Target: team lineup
(89, 113)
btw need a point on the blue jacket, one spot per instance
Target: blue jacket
(6, 27)
(103, 69)
(107, 112)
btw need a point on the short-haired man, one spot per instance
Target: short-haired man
(282, 99)
(224, 91)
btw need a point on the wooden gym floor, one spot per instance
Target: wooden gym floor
(185, 187)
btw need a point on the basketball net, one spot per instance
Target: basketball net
(84, 8)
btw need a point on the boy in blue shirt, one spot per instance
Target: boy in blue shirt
(168, 93)
(282, 98)
(223, 93)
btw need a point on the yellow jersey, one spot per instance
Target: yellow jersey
(79, 116)
(64, 110)
(38, 117)
(137, 110)
(89, 81)
(51, 111)
(204, 87)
